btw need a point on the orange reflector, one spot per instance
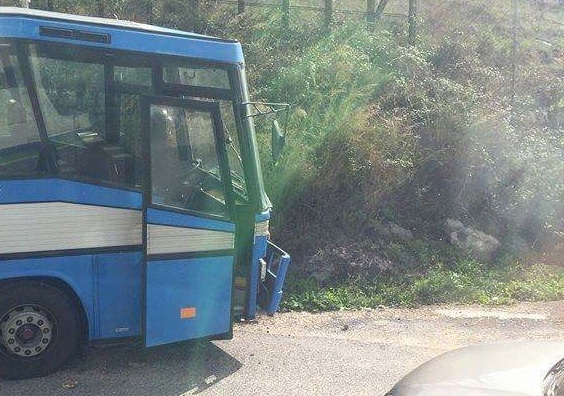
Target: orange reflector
(188, 312)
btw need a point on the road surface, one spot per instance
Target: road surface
(339, 353)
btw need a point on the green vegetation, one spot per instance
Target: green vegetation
(427, 277)
(538, 283)
(467, 124)
(388, 132)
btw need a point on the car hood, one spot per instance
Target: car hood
(503, 369)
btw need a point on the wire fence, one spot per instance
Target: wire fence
(512, 34)
(331, 12)
(327, 12)
(423, 19)
(522, 40)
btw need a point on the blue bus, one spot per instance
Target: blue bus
(132, 202)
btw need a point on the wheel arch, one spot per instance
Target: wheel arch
(64, 287)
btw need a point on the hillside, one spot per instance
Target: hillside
(466, 124)
(390, 138)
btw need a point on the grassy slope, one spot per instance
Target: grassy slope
(382, 131)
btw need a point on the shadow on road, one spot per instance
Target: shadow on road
(173, 370)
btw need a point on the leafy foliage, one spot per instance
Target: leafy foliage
(467, 125)
(428, 274)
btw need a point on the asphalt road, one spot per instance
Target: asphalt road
(343, 353)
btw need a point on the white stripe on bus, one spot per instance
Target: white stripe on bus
(165, 240)
(53, 226)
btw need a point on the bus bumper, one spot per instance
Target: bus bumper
(266, 278)
(273, 272)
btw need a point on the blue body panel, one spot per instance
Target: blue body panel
(59, 190)
(173, 285)
(200, 284)
(162, 217)
(108, 286)
(20, 23)
(119, 290)
(262, 216)
(76, 271)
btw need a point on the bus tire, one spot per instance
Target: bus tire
(39, 329)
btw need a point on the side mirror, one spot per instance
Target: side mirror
(255, 109)
(278, 141)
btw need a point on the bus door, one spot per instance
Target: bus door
(188, 235)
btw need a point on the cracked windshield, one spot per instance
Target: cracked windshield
(282, 197)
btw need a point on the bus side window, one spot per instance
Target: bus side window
(19, 136)
(70, 83)
(129, 137)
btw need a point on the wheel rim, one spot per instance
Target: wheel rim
(26, 331)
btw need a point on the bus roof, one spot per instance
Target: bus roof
(114, 33)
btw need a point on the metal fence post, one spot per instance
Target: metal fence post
(240, 6)
(370, 11)
(328, 14)
(514, 46)
(412, 20)
(100, 9)
(286, 14)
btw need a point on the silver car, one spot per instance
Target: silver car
(503, 369)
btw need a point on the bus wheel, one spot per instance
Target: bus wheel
(39, 329)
